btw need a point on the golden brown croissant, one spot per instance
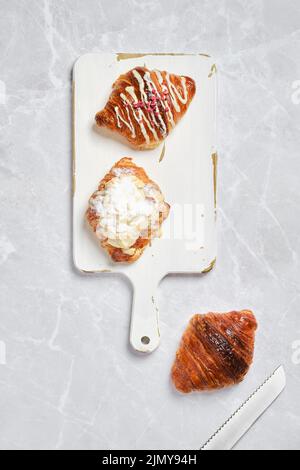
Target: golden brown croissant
(127, 211)
(216, 351)
(145, 105)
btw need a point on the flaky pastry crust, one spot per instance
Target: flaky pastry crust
(216, 351)
(118, 254)
(144, 106)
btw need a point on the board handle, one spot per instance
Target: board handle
(144, 327)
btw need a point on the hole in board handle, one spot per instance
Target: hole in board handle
(145, 340)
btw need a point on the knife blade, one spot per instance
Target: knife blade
(227, 436)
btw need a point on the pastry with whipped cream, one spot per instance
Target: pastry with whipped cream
(127, 211)
(145, 105)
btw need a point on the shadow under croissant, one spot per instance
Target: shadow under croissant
(106, 133)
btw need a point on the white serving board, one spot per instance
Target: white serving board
(186, 176)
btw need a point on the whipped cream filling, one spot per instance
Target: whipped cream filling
(127, 209)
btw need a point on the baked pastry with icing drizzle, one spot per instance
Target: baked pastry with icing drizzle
(127, 211)
(216, 351)
(145, 106)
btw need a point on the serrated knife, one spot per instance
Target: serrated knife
(227, 436)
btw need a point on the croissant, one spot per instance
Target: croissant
(127, 211)
(145, 106)
(216, 351)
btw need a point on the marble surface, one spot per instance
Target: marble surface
(67, 376)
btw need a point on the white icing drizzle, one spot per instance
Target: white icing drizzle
(164, 87)
(135, 115)
(127, 123)
(141, 84)
(148, 80)
(139, 114)
(141, 117)
(173, 91)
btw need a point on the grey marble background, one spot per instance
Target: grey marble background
(67, 376)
